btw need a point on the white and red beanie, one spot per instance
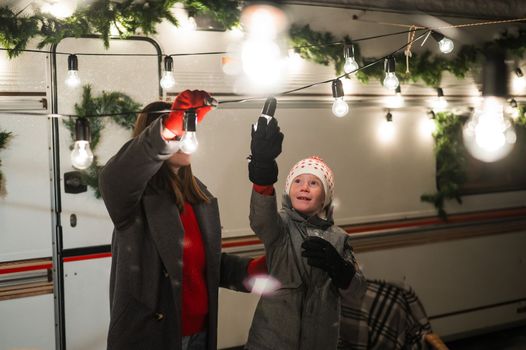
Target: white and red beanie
(313, 165)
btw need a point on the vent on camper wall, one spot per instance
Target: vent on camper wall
(24, 101)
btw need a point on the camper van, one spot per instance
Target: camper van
(461, 252)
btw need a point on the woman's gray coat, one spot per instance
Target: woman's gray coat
(146, 270)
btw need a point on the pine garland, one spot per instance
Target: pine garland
(320, 47)
(132, 16)
(90, 107)
(4, 139)
(450, 155)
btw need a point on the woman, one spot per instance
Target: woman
(167, 263)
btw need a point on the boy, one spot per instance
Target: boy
(310, 256)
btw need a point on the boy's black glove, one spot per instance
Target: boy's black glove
(320, 253)
(265, 147)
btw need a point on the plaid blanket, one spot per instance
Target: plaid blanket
(388, 317)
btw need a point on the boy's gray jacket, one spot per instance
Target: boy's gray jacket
(147, 250)
(305, 312)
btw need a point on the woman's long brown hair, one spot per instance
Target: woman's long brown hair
(183, 184)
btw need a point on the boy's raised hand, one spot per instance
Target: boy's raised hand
(321, 253)
(265, 147)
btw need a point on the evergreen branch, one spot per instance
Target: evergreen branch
(91, 106)
(4, 139)
(450, 159)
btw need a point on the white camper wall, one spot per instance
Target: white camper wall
(375, 179)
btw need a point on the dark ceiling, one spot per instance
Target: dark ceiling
(482, 9)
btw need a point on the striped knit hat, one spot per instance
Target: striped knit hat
(313, 165)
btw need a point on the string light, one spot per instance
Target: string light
(340, 108)
(350, 63)
(396, 100)
(386, 130)
(387, 59)
(489, 135)
(444, 43)
(72, 77)
(519, 81)
(168, 80)
(427, 125)
(514, 109)
(389, 116)
(390, 81)
(82, 156)
(59, 9)
(440, 102)
(189, 140)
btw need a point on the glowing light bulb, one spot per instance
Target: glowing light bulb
(189, 24)
(264, 20)
(396, 100)
(489, 135)
(440, 102)
(428, 125)
(168, 80)
(261, 60)
(59, 9)
(386, 129)
(340, 108)
(350, 65)
(72, 77)
(519, 82)
(446, 45)
(81, 156)
(189, 142)
(391, 81)
(350, 62)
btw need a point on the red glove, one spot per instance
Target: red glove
(187, 100)
(257, 266)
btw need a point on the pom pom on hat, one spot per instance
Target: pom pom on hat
(313, 165)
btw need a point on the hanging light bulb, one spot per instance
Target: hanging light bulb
(72, 77)
(489, 134)
(168, 80)
(440, 102)
(269, 108)
(513, 109)
(189, 140)
(59, 9)
(444, 43)
(390, 81)
(340, 108)
(81, 156)
(350, 63)
(264, 20)
(396, 100)
(519, 81)
(428, 125)
(386, 130)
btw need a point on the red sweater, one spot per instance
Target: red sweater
(195, 290)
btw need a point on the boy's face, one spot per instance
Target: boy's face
(307, 194)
